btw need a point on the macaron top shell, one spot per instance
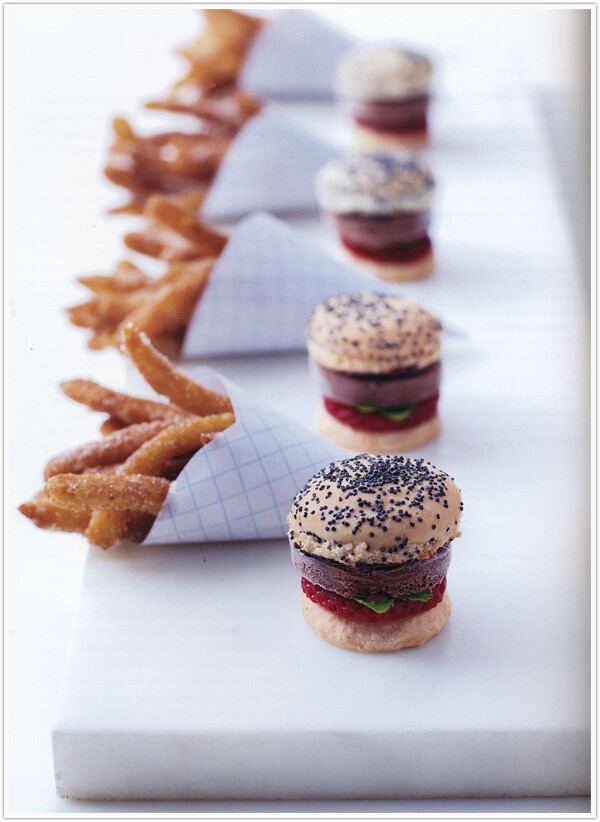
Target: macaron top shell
(382, 72)
(370, 333)
(377, 184)
(374, 509)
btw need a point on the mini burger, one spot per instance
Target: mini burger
(378, 361)
(380, 205)
(387, 91)
(371, 537)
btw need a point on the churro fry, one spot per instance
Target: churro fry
(206, 239)
(166, 380)
(121, 406)
(190, 435)
(226, 112)
(168, 162)
(101, 338)
(46, 514)
(172, 305)
(107, 308)
(108, 491)
(112, 449)
(152, 459)
(85, 315)
(216, 56)
(105, 528)
(175, 466)
(137, 526)
(110, 425)
(175, 162)
(232, 25)
(175, 234)
(156, 241)
(169, 344)
(127, 277)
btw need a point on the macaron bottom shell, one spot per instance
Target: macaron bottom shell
(371, 442)
(370, 139)
(368, 637)
(394, 270)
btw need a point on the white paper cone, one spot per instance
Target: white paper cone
(241, 485)
(270, 165)
(294, 56)
(263, 289)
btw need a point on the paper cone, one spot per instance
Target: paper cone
(263, 289)
(241, 485)
(270, 165)
(294, 56)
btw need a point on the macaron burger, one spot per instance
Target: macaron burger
(371, 537)
(380, 205)
(377, 358)
(387, 90)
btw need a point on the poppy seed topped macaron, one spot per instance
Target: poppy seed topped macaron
(378, 361)
(371, 537)
(388, 90)
(380, 204)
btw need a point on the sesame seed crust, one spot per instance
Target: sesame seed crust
(382, 72)
(376, 510)
(370, 333)
(375, 184)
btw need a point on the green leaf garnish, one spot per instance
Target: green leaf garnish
(393, 413)
(398, 413)
(378, 607)
(422, 596)
(382, 607)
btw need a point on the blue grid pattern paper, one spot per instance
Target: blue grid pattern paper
(241, 485)
(270, 165)
(263, 289)
(295, 56)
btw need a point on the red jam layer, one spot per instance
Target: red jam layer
(399, 254)
(395, 116)
(391, 390)
(379, 423)
(382, 231)
(350, 609)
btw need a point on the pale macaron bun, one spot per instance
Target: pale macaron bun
(420, 269)
(380, 203)
(366, 139)
(373, 638)
(386, 89)
(382, 72)
(377, 358)
(390, 442)
(371, 537)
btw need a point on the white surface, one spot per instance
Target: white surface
(520, 259)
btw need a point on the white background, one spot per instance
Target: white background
(69, 69)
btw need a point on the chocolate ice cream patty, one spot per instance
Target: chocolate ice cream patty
(396, 116)
(373, 582)
(398, 388)
(382, 231)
